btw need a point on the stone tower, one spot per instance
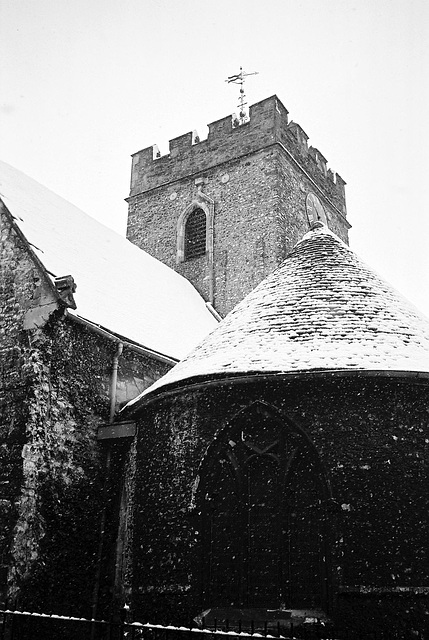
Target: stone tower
(225, 211)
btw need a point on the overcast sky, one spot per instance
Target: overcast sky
(85, 83)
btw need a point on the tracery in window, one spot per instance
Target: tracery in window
(264, 512)
(195, 234)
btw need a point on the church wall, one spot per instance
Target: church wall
(18, 278)
(372, 438)
(259, 215)
(54, 394)
(268, 123)
(292, 216)
(258, 190)
(62, 492)
(244, 241)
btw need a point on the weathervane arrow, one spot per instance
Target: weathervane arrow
(238, 78)
(234, 78)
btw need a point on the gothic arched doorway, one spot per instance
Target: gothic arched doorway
(263, 500)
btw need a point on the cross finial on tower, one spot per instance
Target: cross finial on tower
(239, 79)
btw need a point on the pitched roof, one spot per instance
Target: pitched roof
(119, 287)
(322, 310)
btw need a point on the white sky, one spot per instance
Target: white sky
(85, 83)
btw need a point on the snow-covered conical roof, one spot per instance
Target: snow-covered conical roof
(119, 287)
(321, 310)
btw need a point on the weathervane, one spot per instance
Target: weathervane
(239, 79)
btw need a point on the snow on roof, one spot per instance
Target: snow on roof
(322, 309)
(119, 286)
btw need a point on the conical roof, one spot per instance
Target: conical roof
(321, 310)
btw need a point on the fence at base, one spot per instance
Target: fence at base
(23, 625)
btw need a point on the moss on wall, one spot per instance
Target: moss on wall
(54, 393)
(372, 438)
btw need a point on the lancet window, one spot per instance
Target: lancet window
(195, 234)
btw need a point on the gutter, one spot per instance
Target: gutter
(170, 390)
(114, 338)
(86, 323)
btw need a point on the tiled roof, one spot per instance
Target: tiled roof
(322, 310)
(119, 287)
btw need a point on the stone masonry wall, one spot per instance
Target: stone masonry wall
(268, 124)
(54, 394)
(258, 176)
(372, 437)
(244, 242)
(292, 218)
(73, 401)
(22, 285)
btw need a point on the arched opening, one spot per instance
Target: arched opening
(195, 234)
(263, 501)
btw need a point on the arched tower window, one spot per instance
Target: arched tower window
(195, 234)
(263, 500)
(195, 230)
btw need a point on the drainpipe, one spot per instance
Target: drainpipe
(114, 381)
(210, 232)
(213, 311)
(106, 486)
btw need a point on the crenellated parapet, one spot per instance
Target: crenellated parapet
(227, 140)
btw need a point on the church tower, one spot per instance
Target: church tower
(225, 211)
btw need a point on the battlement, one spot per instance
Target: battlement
(268, 125)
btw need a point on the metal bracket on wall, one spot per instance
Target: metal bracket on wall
(116, 431)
